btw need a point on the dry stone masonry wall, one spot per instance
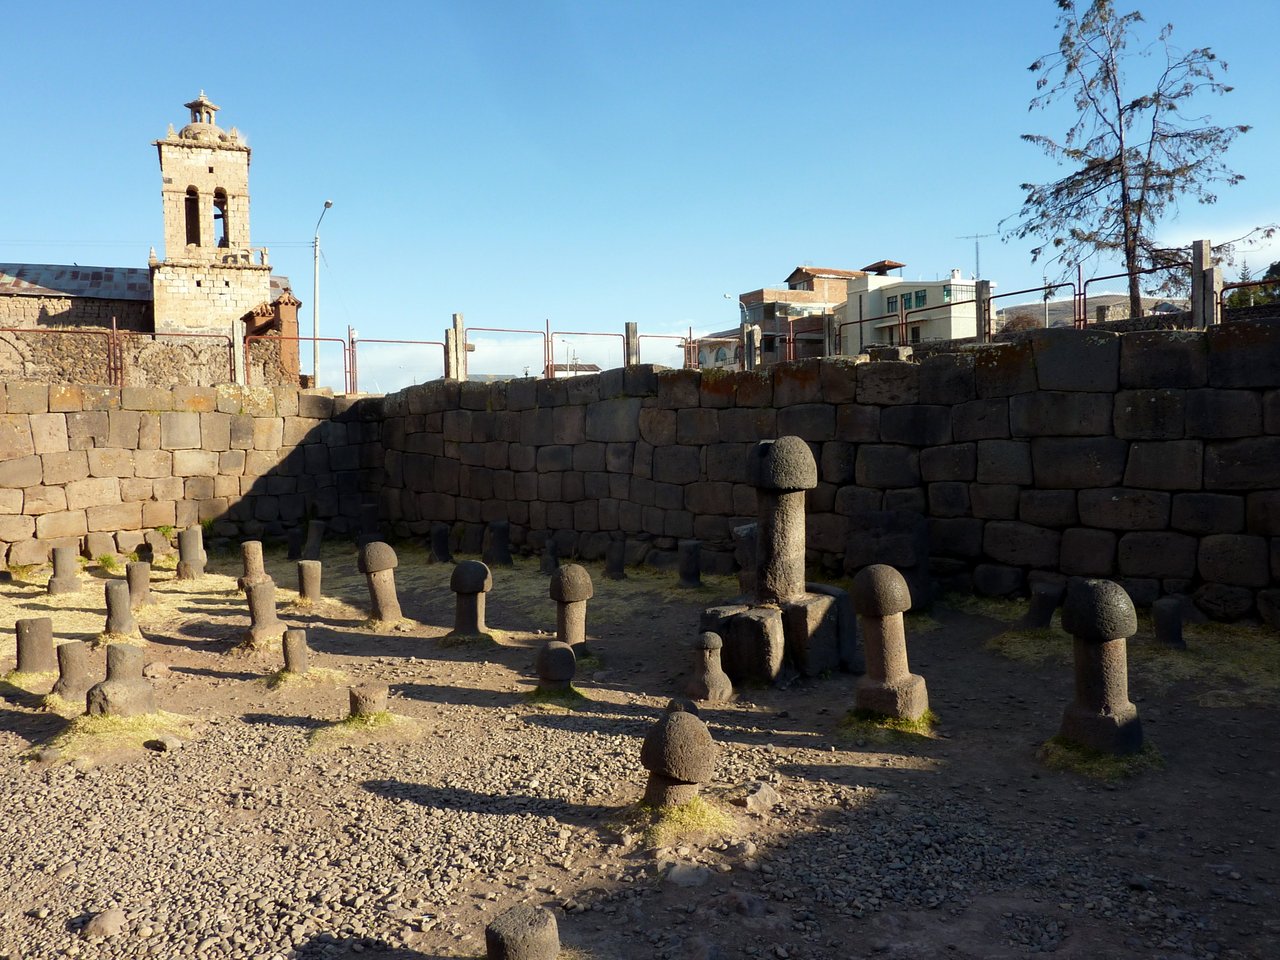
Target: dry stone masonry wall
(1152, 457)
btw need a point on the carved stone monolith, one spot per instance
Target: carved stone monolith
(556, 666)
(137, 574)
(709, 681)
(689, 556)
(120, 622)
(889, 688)
(470, 581)
(265, 626)
(378, 563)
(496, 551)
(309, 573)
(550, 562)
(66, 571)
(294, 540)
(523, 932)
(615, 560)
(191, 557)
(571, 588)
(441, 533)
(680, 756)
(368, 531)
(252, 564)
(1046, 597)
(125, 692)
(315, 540)
(367, 699)
(35, 645)
(74, 678)
(1166, 613)
(781, 471)
(296, 652)
(1100, 618)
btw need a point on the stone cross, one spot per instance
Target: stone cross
(378, 563)
(125, 692)
(556, 665)
(191, 554)
(73, 670)
(496, 551)
(295, 651)
(309, 572)
(709, 681)
(889, 688)
(315, 540)
(137, 574)
(120, 622)
(265, 626)
(470, 581)
(66, 571)
(690, 560)
(35, 645)
(522, 933)
(571, 589)
(781, 471)
(1100, 617)
(680, 756)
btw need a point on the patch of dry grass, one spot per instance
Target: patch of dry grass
(313, 677)
(571, 698)
(1028, 645)
(698, 820)
(872, 727)
(994, 608)
(91, 736)
(371, 726)
(1059, 754)
(28, 681)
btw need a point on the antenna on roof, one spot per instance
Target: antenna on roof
(977, 253)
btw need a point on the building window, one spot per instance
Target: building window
(891, 304)
(220, 218)
(921, 297)
(193, 216)
(915, 333)
(722, 354)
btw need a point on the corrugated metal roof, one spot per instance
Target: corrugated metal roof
(825, 273)
(60, 280)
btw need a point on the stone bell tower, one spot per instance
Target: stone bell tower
(210, 278)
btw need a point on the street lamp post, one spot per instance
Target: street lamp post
(315, 300)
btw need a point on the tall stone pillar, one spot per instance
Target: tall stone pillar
(455, 350)
(630, 344)
(781, 471)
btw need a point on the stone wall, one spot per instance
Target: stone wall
(97, 466)
(24, 311)
(1152, 457)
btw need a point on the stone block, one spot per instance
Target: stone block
(837, 463)
(1069, 359)
(195, 463)
(65, 398)
(677, 389)
(1221, 414)
(956, 461)
(38, 500)
(697, 425)
(215, 431)
(888, 382)
(1087, 553)
(922, 425)
(1242, 354)
(29, 552)
(92, 492)
(17, 528)
(1003, 369)
(887, 465)
(857, 422)
(716, 388)
(1161, 555)
(21, 472)
(1121, 508)
(754, 646)
(811, 632)
(101, 398)
(1021, 544)
(1221, 601)
(64, 467)
(15, 437)
(196, 399)
(569, 425)
(1004, 461)
(242, 432)
(754, 388)
(1263, 513)
(317, 405)
(1235, 559)
(850, 501)
(956, 537)
(839, 376)
(1048, 413)
(1163, 358)
(85, 430)
(814, 422)
(1252, 463)
(997, 580)
(27, 397)
(994, 501)
(1048, 508)
(110, 462)
(148, 431)
(124, 429)
(113, 517)
(180, 431)
(1077, 462)
(615, 420)
(657, 426)
(1150, 414)
(678, 464)
(897, 538)
(911, 499)
(797, 381)
(1165, 465)
(268, 433)
(949, 498)
(948, 378)
(10, 501)
(980, 420)
(135, 489)
(58, 526)
(49, 433)
(1202, 513)
(747, 424)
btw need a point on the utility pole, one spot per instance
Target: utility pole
(977, 252)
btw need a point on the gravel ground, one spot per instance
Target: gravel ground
(248, 840)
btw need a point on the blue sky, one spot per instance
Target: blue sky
(587, 163)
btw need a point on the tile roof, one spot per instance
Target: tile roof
(60, 280)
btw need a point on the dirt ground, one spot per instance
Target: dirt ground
(268, 832)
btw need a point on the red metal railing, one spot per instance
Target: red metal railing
(1082, 314)
(985, 315)
(1245, 285)
(346, 368)
(577, 333)
(355, 359)
(685, 342)
(547, 370)
(850, 323)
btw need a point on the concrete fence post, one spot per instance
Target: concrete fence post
(982, 310)
(455, 350)
(630, 344)
(1201, 261)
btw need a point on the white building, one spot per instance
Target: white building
(880, 308)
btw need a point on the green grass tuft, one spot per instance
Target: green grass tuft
(28, 681)
(109, 562)
(1027, 645)
(374, 724)
(666, 826)
(1059, 754)
(876, 728)
(571, 698)
(87, 736)
(992, 607)
(316, 675)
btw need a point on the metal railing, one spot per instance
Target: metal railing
(1082, 313)
(984, 315)
(684, 342)
(551, 345)
(547, 371)
(248, 363)
(1247, 285)
(355, 357)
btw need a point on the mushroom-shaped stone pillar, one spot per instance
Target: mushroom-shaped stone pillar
(1099, 616)
(522, 933)
(680, 756)
(378, 563)
(571, 589)
(889, 688)
(470, 581)
(709, 681)
(781, 471)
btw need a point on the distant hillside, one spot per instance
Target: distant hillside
(1059, 311)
